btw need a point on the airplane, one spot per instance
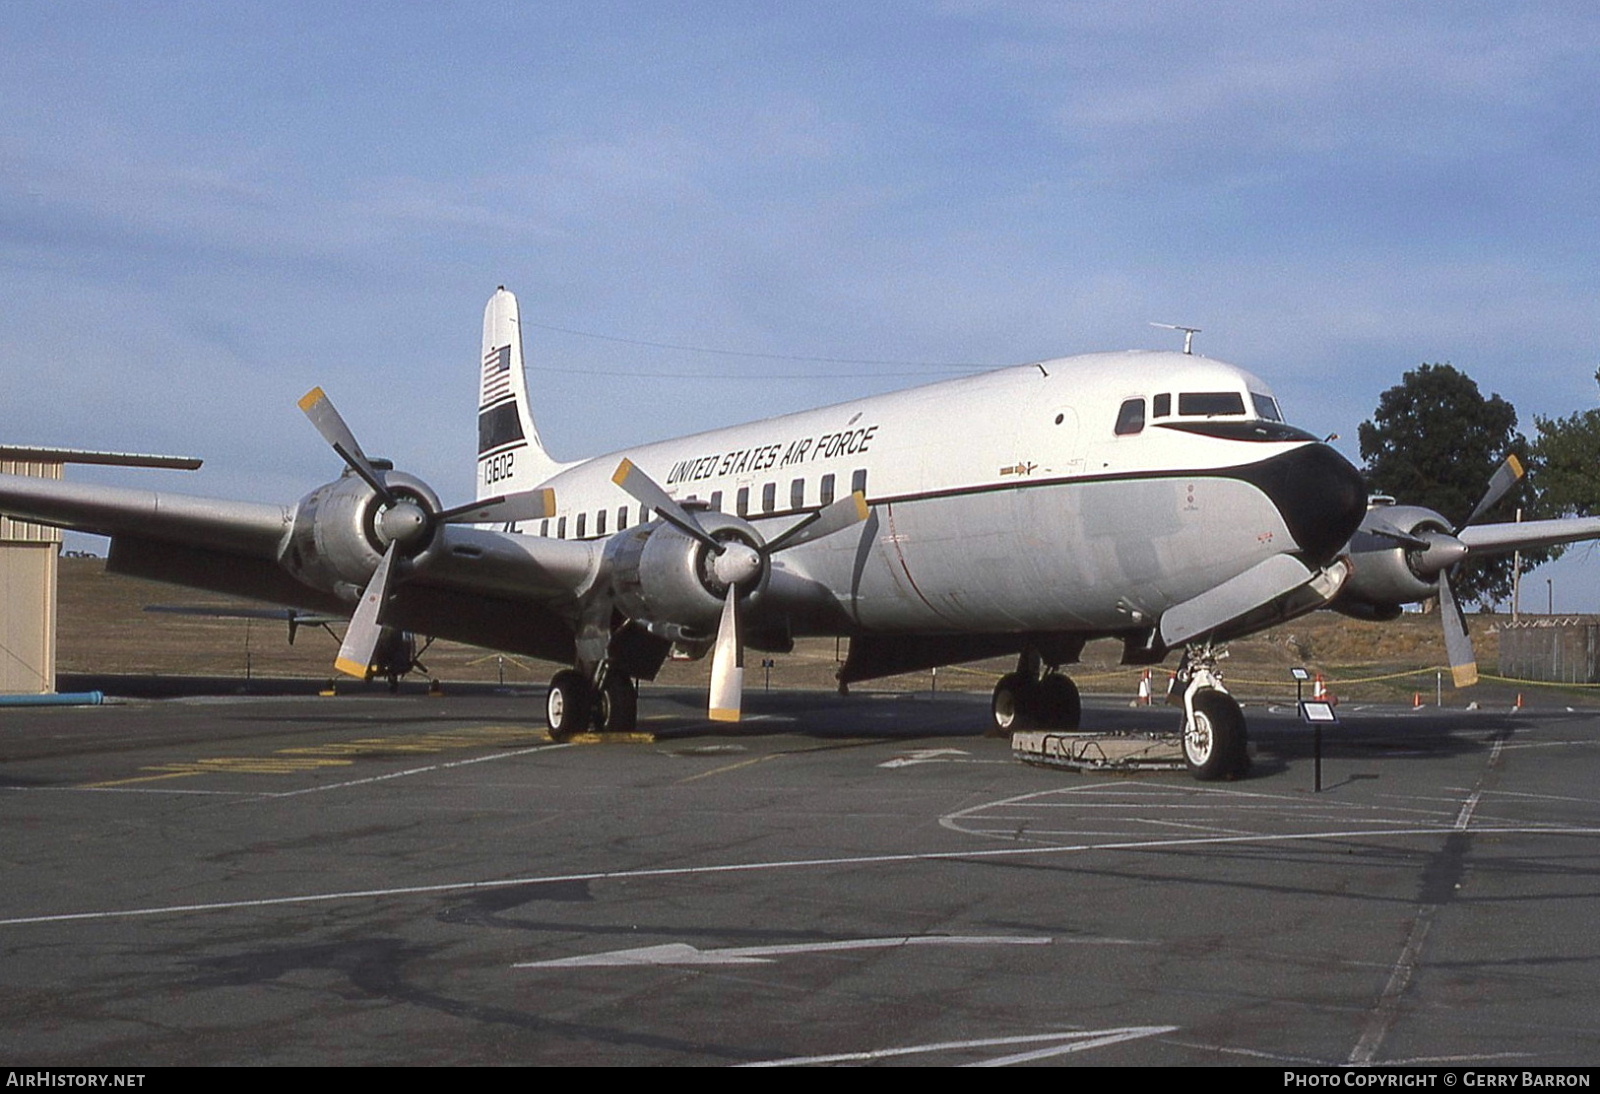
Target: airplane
(1154, 497)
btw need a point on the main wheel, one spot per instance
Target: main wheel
(1059, 704)
(566, 705)
(1014, 705)
(1214, 742)
(616, 709)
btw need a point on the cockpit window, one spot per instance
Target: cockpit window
(1161, 405)
(1130, 418)
(1210, 404)
(1266, 407)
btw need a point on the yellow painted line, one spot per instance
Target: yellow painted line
(730, 767)
(607, 739)
(290, 761)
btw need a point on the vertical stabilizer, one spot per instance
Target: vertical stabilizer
(510, 455)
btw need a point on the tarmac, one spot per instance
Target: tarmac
(374, 879)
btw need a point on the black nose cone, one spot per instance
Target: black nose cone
(1321, 496)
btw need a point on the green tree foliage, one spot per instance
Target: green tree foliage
(1435, 441)
(1564, 465)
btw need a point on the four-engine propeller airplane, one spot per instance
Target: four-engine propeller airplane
(1158, 498)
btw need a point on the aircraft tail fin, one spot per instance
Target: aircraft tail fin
(511, 456)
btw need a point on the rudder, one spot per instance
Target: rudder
(511, 456)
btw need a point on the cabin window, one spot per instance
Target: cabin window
(797, 494)
(544, 527)
(858, 482)
(600, 523)
(561, 528)
(622, 517)
(716, 500)
(742, 501)
(827, 490)
(1266, 407)
(1161, 405)
(1130, 417)
(769, 497)
(1210, 404)
(581, 518)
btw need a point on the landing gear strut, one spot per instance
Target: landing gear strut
(1025, 699)
(1214, 739)
(573, 704)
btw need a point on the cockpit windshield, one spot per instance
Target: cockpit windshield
(1266, 407)
(1210, 404)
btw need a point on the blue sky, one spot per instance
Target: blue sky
(209, 209)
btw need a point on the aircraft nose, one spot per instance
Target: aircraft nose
(1321, 496)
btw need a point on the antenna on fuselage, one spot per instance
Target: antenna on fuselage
(1188, 335)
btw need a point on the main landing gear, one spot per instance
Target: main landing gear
(1028, 699)
(1214, 740)
(574, 705)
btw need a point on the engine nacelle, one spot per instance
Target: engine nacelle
(338, 538)
(668, 581)
(1386, 573)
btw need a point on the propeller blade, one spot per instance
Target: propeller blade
(506, 508)
(824, 522)
(1375, 525)
(320, 409)
(644, 489)
(727, 663)
(361, 637)
(1505, 477)
(1457, 643)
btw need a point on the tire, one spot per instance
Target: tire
(616, 709)
(566, 705)
(1059, 704)
(1215, 744)
(1015, 705)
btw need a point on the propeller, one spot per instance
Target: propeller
(1440, 554)
(735, 564)
(404, 523)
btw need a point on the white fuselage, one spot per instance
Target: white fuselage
(1008, 501)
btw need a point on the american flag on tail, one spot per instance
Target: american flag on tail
(496, 375)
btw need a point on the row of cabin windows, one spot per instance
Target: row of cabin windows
(1194, 404)
(826, 493)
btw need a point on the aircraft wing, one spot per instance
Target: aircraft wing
(1491, 539)
(233, 526)
(507, 591)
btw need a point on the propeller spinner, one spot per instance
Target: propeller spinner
(1438, 554)
(735, 564)
(404, 523)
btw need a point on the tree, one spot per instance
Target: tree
(1435, 441)
(1564, 465)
